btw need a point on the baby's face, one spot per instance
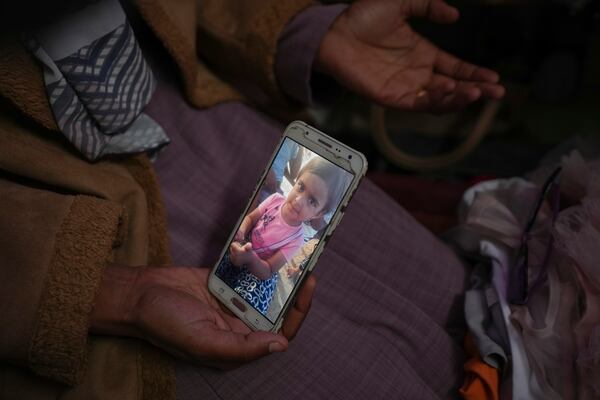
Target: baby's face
(306, 199)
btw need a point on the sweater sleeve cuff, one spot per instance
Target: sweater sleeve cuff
(84, 243)
(298, 46)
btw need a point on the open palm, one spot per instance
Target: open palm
(372, 49)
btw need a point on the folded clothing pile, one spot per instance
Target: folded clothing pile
(533, 308)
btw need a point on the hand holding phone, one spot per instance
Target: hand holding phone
(173, 309)
(279, 237)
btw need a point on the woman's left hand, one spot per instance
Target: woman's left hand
(239, 236)
(173, 309)
(241, 254)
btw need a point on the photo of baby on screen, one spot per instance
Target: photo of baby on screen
(283, 226)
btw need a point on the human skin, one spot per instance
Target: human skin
(173, 309)
(372, 50)
(304, 202)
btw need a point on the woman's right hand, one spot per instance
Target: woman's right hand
(372, 49)
(173, 309)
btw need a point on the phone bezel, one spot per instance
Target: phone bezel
(332, 150)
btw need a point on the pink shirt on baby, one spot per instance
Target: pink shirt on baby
(271, 233)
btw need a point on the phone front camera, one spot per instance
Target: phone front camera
(349, 156)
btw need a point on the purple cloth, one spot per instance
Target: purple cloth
(389, 292)
(298, 47)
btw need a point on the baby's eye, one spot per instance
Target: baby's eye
(300, 186)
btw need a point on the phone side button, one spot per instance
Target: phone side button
(312, 265)
(238, 304)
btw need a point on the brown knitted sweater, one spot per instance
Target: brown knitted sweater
(63, 219)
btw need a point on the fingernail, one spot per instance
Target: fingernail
(276, 347)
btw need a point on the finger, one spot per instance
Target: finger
(247, 246)
(436, 101)
(491, 90)
(453, 67)
(228, 314)
(404, 95)
(440, 83)
(437, 11)
(468, 91)
(222, 346)
(299, 311)
(451, 103)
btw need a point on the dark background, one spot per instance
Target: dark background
(546, 51)
(548, 56)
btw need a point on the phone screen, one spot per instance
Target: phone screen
(281, 229)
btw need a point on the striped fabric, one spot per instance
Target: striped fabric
(98, 90)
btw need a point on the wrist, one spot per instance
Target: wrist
(114, 308)
(324, 62)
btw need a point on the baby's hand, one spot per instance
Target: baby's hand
(239, 236)
(241, 255)
(292, 271)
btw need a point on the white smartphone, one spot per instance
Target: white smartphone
(298, 202)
